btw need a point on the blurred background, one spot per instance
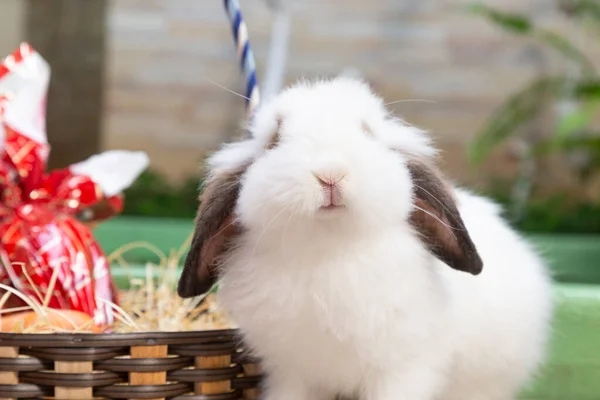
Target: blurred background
(502, 90)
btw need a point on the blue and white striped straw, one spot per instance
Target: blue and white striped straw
(245, 54)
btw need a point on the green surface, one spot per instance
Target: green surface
(572, 258)
(573, 368)
(166, 234)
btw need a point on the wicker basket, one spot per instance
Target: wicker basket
(208, 365)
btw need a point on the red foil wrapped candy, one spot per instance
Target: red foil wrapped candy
(43, 215)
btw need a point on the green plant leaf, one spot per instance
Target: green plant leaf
(519, 108)
(521, 24)
(577, 120)
(587, 89)
(512, 22)
(562, 45)
(581, 8)
(588, 141)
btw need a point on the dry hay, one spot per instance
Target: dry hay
(151, 304)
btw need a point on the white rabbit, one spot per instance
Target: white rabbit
(347, 262)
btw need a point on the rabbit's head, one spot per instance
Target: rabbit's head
(325, 157)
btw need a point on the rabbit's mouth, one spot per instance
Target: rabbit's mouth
(332, 197)
(330, 208)
(330, 212)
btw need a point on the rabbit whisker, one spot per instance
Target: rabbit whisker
(267, 227)
(285, 231)
(410, 101)
(437, 219)
(233, 221)
(438, 200)
(227, 89)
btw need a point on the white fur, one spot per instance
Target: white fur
(349, 301)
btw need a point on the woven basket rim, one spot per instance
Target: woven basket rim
(114, 339)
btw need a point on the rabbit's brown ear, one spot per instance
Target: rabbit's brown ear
(437, 220)
(215, 226)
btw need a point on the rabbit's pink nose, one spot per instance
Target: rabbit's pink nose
(329, 178)
(330, 185)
